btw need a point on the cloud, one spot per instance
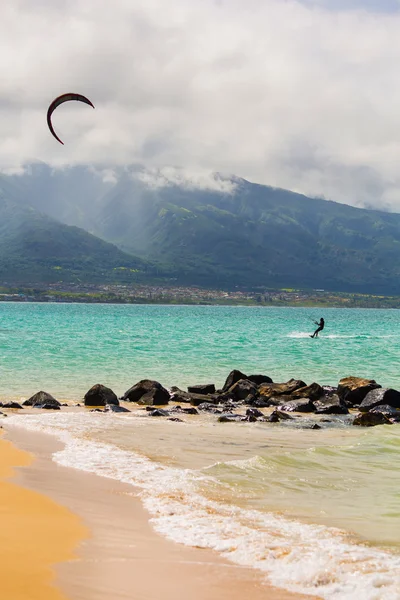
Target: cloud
(301, 95)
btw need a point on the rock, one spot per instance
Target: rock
(259, 379)
(391, 413)
(208, 388)
(232, 378)
(229, 418)
(190, 410)
(257, 402)
(249, 419)
(96, 410)
(329, 390)
(12, 405)
(40, 398)
(254, 412)
(277, 416)
(380, 396)
(175, 419)
(352, 390)
(313, 392)
(371, 419)
(330, 405)
(159, 412)
(242, 389)
(153, 390)
(100, 395)
(300, 405)
(116, 409)
(48, 406)
(315, 426)
(181, 396)
(268, 390)
(208, 407)
(197, 399)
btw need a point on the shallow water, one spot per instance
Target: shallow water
(316, 510)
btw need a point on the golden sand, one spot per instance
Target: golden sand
(35, 533)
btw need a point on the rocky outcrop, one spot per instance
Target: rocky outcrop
(379, 397)
(352, 390)
(208, 388)
(41, 398)
(330, 405)
(147, 391)
(300, 405)
(371, 419)
(232, 378)
(268, 390)
(100, 395)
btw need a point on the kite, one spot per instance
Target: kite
(59, 100)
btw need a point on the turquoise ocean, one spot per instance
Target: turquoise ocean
(317, 511)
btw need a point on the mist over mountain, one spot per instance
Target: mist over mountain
(220, 231)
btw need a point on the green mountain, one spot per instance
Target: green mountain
(253, 235)
(36, 248)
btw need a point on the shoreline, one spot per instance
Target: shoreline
(123, 554)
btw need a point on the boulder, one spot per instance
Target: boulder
(300, 405)
(313, 392)
(190, 410)
(371, 419)
(48, 406)
(100, 395)
(116, 409)
(232, 378)
(180, 395)
(330, 405)
(315, 426)
(159, 412)
(242, 389)
(208, 388)
(229, 418)
(353, 390)
(257, 402)
(249, 419)
(267, 390)
(197, 399)
(391, 413)
(254, 412)
(41, 398)
(380, 396)
(155, 397)
(12, 405)
(153, 390)
(259, 379)
(277, 416)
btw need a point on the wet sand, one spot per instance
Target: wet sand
(35, 533)
(124, 558)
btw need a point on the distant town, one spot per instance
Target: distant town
(145, 294)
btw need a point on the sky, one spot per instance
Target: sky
(298, 94)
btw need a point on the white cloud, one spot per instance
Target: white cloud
(288, 93)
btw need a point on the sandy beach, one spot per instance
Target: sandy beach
(97, 535)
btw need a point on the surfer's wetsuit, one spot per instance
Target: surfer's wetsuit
(321, 325)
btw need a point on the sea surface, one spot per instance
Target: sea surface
(317, 511)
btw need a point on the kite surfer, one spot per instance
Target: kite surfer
(321, 325)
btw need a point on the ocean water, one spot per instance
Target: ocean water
(317, 511)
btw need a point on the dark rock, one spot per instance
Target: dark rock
(315, 426)
(175, 419)
(371, 419)
(329, 390)
(380, 396)
(197, 399)
(40, 398)
(229, 418)
(249, 419)
(242, 389)
(48, 406)
(268, 390)
(391, 413)
(12, 405)
(202, 389)
(155, 392)
(116, 409)
(277, 416)
(208, 407)
(259, 379)
(100, 395)
(257, 402)
(181, 396)
(254, 412)
(353, 390)
(64, 404)
(301, 405)
(155, 397)
(190, 410)
(331, 405)
(78, 404)
(313, 392)
(96, 410)
(232, 378)
(159, 412)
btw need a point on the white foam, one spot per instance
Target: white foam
(310, 559)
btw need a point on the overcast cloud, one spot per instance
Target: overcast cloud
(301, 95)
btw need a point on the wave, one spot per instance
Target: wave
(303, 558)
